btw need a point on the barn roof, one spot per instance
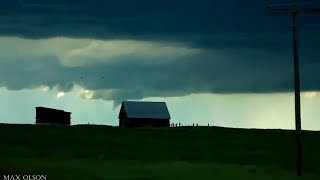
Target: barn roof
(140, 109)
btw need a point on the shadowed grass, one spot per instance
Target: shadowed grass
(101, 152)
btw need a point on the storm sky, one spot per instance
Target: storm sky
(227, 63)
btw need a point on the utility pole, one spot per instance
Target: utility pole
(294, 11)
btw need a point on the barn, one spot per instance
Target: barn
(144, 114)
(52, 116)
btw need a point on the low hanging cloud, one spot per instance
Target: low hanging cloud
(104, 51)
(86, 94)
(170, 70)
(81, 52)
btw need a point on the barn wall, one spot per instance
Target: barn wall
(122, 122)
(133, 122)
(122, 117)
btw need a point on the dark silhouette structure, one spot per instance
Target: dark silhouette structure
(144, 114)
(52, 116)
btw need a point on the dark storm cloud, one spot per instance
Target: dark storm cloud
(199, 22)
(203, 23)
(258, 46)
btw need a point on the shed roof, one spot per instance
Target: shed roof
(40, 107)
(140, 109)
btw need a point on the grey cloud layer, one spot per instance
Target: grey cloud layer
(254, 48)
(234, 72)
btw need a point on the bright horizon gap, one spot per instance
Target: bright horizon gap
(250, 111)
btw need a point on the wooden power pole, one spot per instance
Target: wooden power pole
(294, 11)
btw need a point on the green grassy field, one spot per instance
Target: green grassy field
(102, 152)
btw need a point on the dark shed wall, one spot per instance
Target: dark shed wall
(44, 115)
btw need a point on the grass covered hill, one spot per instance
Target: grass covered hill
(102, 152)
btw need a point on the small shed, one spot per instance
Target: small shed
(52, 116)
(144, 114)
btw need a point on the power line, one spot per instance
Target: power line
(294, 11)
